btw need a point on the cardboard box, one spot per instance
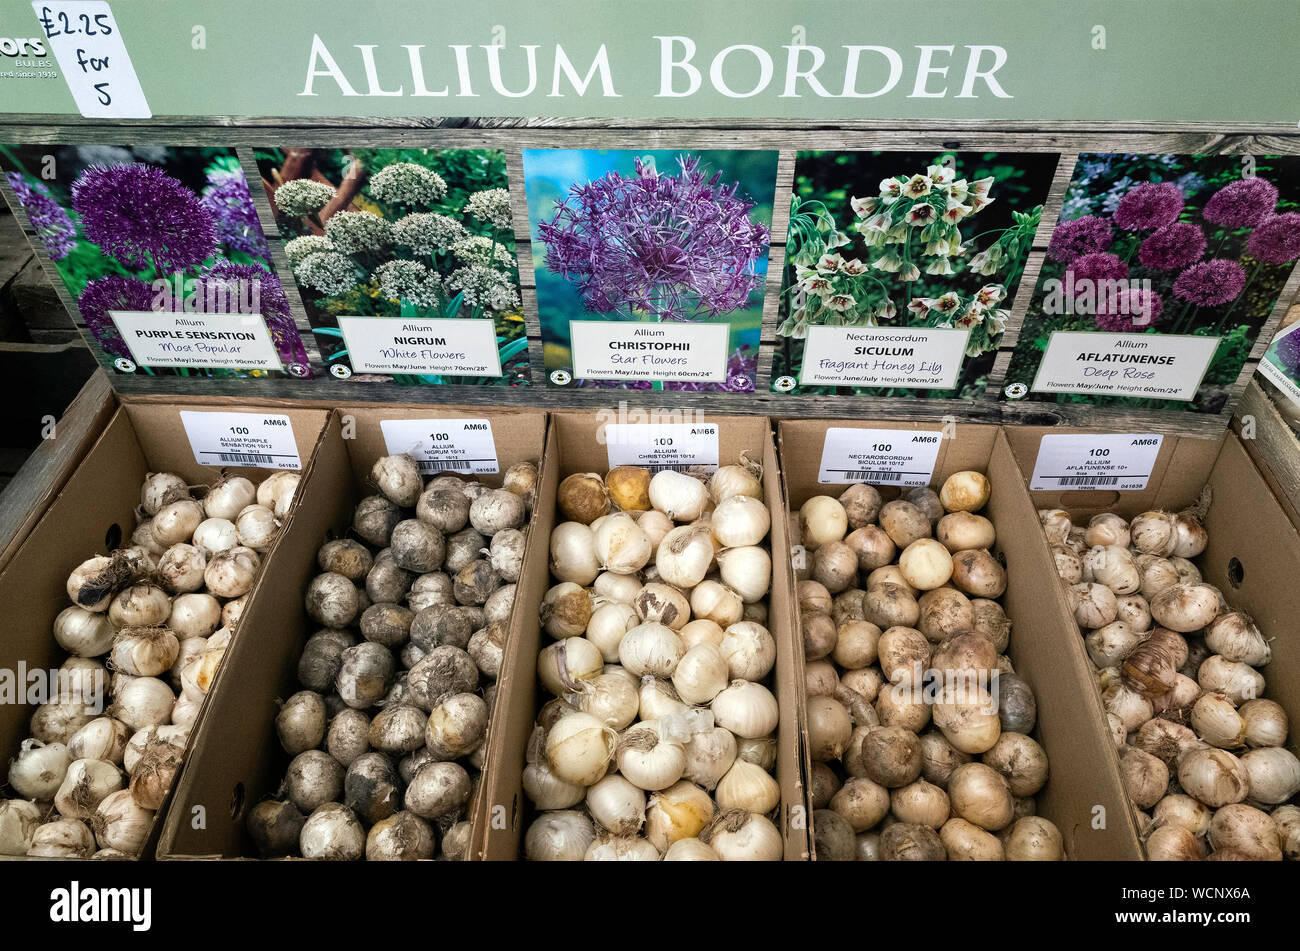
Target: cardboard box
(238, 760)
(1084, 788)
(94, 513)
(575, 444)
(1253, 555)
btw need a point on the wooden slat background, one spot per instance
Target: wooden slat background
(512, 135)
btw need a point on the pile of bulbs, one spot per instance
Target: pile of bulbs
(918, 726)
(659, 740)
(1201, 753)
(398, 683)
(158, 616)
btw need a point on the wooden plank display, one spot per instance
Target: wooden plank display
(1067, 140)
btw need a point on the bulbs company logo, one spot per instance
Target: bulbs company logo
(18, 46)
(75, 904)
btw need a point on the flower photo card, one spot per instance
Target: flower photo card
(1160, 273)
(650, 265)
(405, 260)
(1281, 363)
(162, 251)
(901, 267)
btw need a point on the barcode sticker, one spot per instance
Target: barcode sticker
(262, 440)
(901, 457)
(87, 43)
(444, 445)
(1121, 461)
(659, 446)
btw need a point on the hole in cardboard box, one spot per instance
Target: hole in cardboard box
(1236, 573)
(113, 537)
(237, 801)
(1089, 499)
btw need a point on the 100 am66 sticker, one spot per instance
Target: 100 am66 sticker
(900, 457)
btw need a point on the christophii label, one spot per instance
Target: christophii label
(262, 440)
(1151, 366)
(1121, 461)
(924, 358)
(662, 445)
(901, 457)
(607, 350)
(444, 346)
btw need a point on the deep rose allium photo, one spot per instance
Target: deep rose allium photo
(1211, 283)
(1097, 267)
(143, 217)
(1242, 203)
(674, 247)
(1129, 309)
(1087, 235)
(114, 292)
(1149, 205)
(53, 226)
(1276, 239)
(1172, 247)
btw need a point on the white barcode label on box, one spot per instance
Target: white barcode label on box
(88, 45)
(262, 440)
(659, 446)
(901, 457)
(444, 445)
(1120, 461)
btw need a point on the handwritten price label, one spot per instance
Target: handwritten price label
(88, 45)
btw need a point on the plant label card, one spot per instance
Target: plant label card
(447, 346)
(1148, 366)
(900, 457)
(901, 268)
(92, 56)
(921, 358)
(211, 341)
(242, 439)
(667, 249)
(404, 259)
(1281, 363)
(603, 350)
(1121, 461)
(660, 446)
(443, 445)
(1160, 272)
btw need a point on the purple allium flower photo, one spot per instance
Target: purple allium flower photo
(1211, 283)
(1172, 247)
(742, 365)
(1086, 235)
(229, 285)
(1130, 309)
(1098, 267)
(227, 199)
(1242, 203)
(1276, 239)
(677, 247)
(53, 226)
(1149, 205)
(1288, 351)
(115, 292)
(143, 217)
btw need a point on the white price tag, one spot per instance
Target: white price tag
(1155, 366)
(662, 445)
(86, 41)
(262, 440)
(1121, 461)
(924, 358)
(901, 457)
(444, 445)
